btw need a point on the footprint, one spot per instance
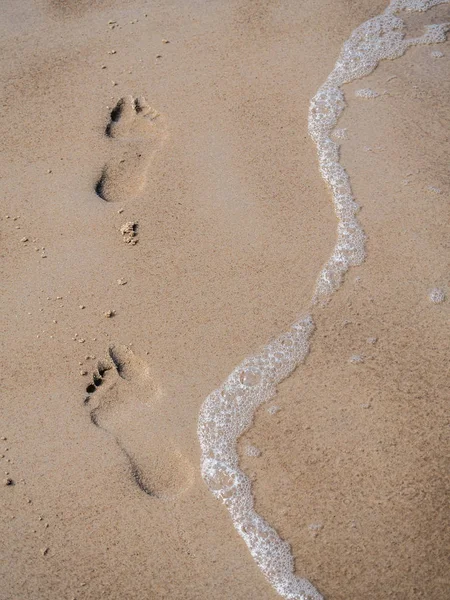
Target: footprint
(125, 401)
(139, 131)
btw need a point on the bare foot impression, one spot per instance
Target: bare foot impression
(137, 130)
(123, 400)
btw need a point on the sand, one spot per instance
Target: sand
(189, 120)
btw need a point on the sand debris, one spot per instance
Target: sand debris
(129, 232)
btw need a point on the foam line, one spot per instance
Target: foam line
(228, 411)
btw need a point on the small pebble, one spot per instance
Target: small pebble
(44, 551)
(121, 281)
(109, 313)
(83, 372)
(82, 306)
(8, 481)
(24, 239)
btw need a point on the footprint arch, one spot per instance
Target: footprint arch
(124, 401)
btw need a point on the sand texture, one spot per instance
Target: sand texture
(162, 218)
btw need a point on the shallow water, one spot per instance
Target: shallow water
(228, 411)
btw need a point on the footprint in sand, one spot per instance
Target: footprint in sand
(138, 131)
(125, 401)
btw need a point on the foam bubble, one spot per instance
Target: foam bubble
(434, 189)
(366, 93)
(228, 411)
(340, 134)
(436, 295)
(356, 359)
(253, 451)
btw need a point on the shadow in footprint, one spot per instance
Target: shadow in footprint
(139, 131)
(125, 401)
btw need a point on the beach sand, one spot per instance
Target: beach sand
(188, 122)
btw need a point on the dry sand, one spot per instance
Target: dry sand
(233, 226)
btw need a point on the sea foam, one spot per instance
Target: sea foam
(228, 411)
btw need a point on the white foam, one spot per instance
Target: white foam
(356, 359)
(253, 451)
(436, 295)
(229, 410)
(340, 134)
(366, 93)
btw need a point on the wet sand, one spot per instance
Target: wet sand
(233, 226)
